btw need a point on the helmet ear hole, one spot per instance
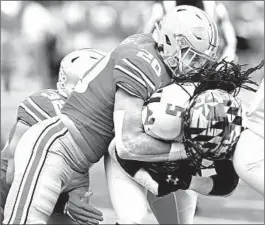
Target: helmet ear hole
(167, 40)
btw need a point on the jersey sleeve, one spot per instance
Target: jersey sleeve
(135, 75)
(30, 113)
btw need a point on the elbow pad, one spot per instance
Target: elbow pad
(226, 179)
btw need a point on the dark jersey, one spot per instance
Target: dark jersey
(40, 106)
(134, 66)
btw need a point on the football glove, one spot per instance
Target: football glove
(79, 210)
(160, 178)
(170, 176)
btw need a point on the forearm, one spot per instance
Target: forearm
(140, 146)
(229, 35)
(147, 148)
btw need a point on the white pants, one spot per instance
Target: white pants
(47, 162)
(130, 200)
(248, 160)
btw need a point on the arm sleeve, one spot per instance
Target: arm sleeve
(135, 77)
(25, 116)
(36, 108)
(226, 179)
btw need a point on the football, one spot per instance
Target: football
(162, 113)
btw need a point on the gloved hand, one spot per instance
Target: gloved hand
(171, 176)
(79, 210)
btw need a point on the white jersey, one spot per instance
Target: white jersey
(255, 112)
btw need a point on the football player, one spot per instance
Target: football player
(162, 113)
(163, 178)
(248, 158)
(40, 106)
(213, 121)
(109, 97)
(215, 9)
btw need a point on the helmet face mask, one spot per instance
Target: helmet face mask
(187, 59)
(212, 126)
(188, 44)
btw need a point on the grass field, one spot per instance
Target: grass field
(244, 206)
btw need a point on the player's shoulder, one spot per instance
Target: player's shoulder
(137, 58)
(139, 51)
(50, 94)
(132, 44)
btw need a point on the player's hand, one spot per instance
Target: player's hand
(79, 210)
(170, 180)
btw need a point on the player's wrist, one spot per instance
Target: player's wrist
(177, 151)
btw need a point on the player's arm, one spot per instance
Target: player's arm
(27, 116)
(154, 15)
(20, 129)
(16, 133)
(223, 183)
(228, 32)
(131, 140)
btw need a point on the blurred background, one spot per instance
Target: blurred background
(35, 35)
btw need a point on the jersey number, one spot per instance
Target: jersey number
(57, 105)
(55, 100)
(173, 110)
(149, 58)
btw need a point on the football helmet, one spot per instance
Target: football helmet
(187, 39)
(213, 123)
(74, 66)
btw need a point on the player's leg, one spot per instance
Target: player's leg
(40, 175)
(248, 160)
(175, 208)
(5, 186)
(128, 197)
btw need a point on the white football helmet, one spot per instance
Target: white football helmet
(74, 66)
(187, 39)
(162, 115)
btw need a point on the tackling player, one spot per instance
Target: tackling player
(205, 126)
(215, 9)
(248, 158)
(109, 97)
(43, 105)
